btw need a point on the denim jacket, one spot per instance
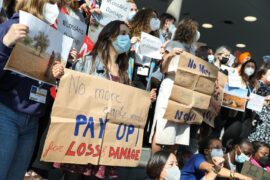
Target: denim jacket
(85, 65)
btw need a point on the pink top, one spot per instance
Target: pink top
(253, 161)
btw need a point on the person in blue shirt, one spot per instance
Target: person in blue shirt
(204, 163)
(19, 114)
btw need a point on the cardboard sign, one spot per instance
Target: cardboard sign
(150, 46)
(35, 55)
(216, 100)
(96, 121)
(114, 10)
(193, 86)
(255, 172)
(234, 98)
(73, 28)
(256, 102)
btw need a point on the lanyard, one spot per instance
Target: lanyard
(5, 13)
(249, 89)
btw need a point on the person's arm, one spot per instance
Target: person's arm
(223, 172)
(167, 57)
(15, 33)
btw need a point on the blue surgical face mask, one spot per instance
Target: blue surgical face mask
(131, 15)
(211, 59)
(241, 158)
(122, 44)
(217, 153)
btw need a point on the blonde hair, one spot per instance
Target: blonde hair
(220, 50)
(34, 7)
(74, 5)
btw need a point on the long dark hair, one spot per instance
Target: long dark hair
(110, 31)
(156, 163)
(251, 80)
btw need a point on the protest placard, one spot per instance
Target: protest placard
(73, 28)
(216, 100)
(35, 55)
(255, 102)
(1, 4)
(150, 46)
(255, 172)
(96, 121)
(234, 78)
(193, 86)
(234, 98)
(114, 10)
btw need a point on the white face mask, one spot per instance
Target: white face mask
(249, 71)
(172, 173)
(154, 24)
(268, 79)
(50, 12)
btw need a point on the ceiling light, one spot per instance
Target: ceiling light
(207, 25)
(250, 18)
(240, 45)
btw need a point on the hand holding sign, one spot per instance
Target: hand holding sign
(15, 33)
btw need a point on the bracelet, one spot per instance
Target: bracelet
(232, 174)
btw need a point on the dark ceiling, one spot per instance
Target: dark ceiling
(254, 34)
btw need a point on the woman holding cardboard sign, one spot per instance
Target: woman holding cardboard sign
(163, 131)
(107, 60)
(19, 113)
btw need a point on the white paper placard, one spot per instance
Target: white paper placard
(234, 79)
(256, 102)
(150, 46)
(73, 28)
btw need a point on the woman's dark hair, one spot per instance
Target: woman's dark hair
(186, 31)
(257, 145)
(202, 52)
(110, 31)
(141, 22)
(156, 163)
(205, 143)
(236, 141)
(252, 81)
(261, 72)
(164, 17)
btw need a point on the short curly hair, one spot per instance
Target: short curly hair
(186, 31)
(141, 22)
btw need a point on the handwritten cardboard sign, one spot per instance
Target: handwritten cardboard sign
(96, 121)
(255, 172)
(193, 86)
(73, 28)
(114, 10)
(150, 46)
(35, 55)
(216, 100)
(256, 102)
(234, 98)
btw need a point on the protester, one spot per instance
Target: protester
(72, 8)
(261, 123)
(203, 52)
(19, 114)
(132, 11)
(163, 165)
(164, 132)
(200, 163)
(261, 155)
(167, 27)
(244, 57)
(107, 60)
(238, 151)
(146, 20)
(222, 55)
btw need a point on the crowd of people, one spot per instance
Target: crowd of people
(179, 151)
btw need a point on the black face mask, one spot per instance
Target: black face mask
(224, 60)
(264, 161)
